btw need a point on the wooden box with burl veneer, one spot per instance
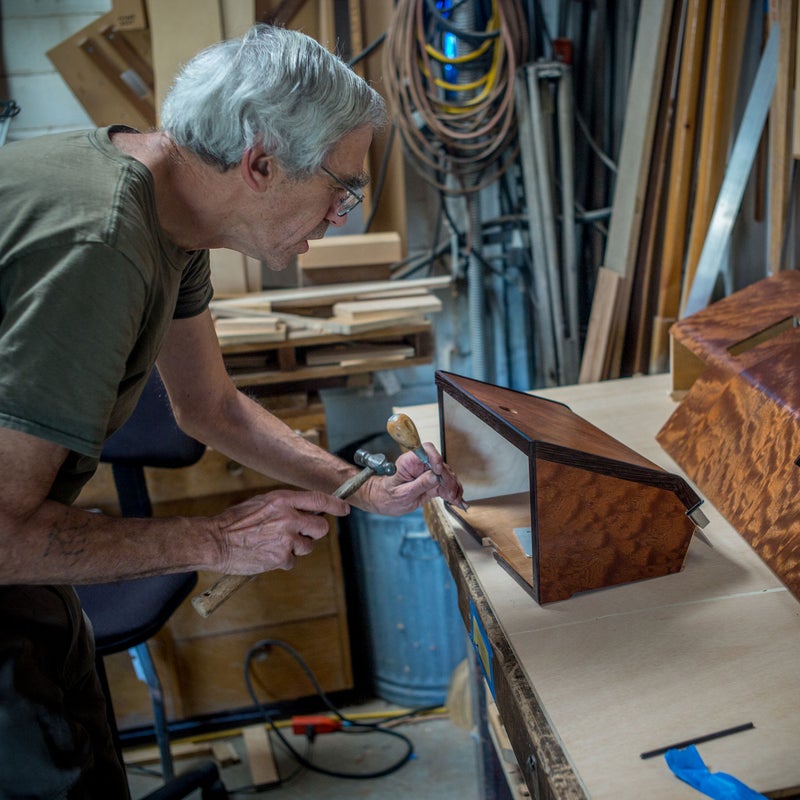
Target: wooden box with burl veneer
(736, 431)
(565, 507)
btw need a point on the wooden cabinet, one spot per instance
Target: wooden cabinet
(200, 661)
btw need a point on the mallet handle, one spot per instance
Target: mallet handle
(212, 598)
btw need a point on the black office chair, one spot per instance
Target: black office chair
(126, 614)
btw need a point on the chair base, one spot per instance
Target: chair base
(146, 670)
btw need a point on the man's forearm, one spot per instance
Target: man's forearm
(256, 438)
(62, 544)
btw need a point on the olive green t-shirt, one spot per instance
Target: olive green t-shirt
(88, 286)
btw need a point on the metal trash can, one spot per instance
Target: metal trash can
(408, 606)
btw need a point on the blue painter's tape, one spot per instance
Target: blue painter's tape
(483, 649)
(687, 765)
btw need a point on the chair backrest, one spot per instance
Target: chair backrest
(149, 438)
(127, 613)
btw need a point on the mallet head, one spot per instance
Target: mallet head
(377, 462)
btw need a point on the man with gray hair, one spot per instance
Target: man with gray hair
(104, 272)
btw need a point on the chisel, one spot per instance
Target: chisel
(403, 430)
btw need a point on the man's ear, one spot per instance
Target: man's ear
(258, 168)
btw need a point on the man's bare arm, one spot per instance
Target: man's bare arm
(208, 406)
(44, 541)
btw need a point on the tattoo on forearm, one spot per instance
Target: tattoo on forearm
(67, 541)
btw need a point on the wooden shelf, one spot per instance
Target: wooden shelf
(285, 362)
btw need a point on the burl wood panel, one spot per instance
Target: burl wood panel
(600, 513)
(720, 334)
(736, 433)
(602, 532)
(737, 436)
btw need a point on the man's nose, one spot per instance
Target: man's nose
(333, 218)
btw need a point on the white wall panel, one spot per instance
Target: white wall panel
(53, 8)
(26, 40)
(29, 29)
(47, 106)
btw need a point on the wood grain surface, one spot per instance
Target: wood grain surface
(600, 513)
(741, 320)
(737, 436)
(736, 433)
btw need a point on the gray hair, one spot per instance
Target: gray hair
(274, 86)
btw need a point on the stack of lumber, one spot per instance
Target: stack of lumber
(336, 309)
(679, 128)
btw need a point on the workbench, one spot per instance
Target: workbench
(585, 686)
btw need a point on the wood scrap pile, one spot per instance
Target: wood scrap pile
(338, 309)
(676, 155)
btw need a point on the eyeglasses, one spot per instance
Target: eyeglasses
(350, 200)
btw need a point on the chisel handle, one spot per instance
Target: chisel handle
(403, 430)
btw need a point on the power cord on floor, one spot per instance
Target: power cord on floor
(348, 725)
(380, 722)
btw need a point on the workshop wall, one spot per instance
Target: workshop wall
(29, 28)
(508, 324)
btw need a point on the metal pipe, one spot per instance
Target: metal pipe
(546, 366)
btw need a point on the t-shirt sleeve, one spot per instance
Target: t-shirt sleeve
(196, 290)
(69, 316)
